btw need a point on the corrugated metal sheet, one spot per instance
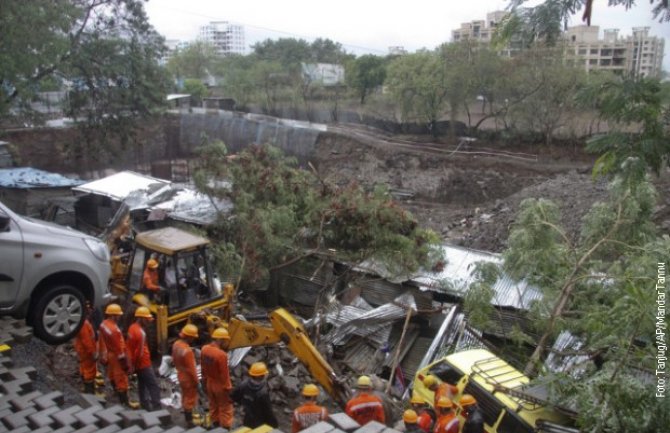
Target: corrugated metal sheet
(118, 186)
(28, 177)
(378, 291)
(459, 274)
(410, 365)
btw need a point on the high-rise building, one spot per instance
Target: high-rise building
(480, 30)
(227, 38)
(638, 54)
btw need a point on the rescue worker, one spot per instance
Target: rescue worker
(254, 396)
(86, 347)
(446, 418)
(441, 389)
(216, 379)
(309, 413)
(474, 419)
(410, 418)
(115, 351)
(139, 361)
(184, 361)
(150, 278)
(426, 416)
(365, 406)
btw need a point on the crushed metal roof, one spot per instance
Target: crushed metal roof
(458, 274)
(118, 186)
(28, 177)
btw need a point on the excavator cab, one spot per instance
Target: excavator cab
(188, 284)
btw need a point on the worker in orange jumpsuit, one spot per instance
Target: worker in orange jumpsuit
(139, 361)
(184, 362)
(425, 416)
(115, 349)
(441, 389)
(86, 347)
(410, 420)
(309, 413)
(150, 277)
(446, 418)
(365, 406)
(216, 379)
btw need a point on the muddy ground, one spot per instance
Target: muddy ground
(470, 192)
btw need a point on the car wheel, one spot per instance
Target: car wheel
(58, 314)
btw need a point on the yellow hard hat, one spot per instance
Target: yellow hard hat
(417, 399)
(143, 312)
(364, 382)
(445, 402)
(310, 390)
(152, 264)
(410, 417)
(258, 369)
(429, 381)
(114, 310)
(220, 334)
(467, 400)
(189, 330)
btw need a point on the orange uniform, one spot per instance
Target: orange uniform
(215, 372)
(85, 345)
(445, 389)
(308, 414)
(425, 421)
(138, 349)
(365, 407)
(115, 347)
(150, 279)
(446, 423)
(184, 361)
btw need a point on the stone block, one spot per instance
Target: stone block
(88, 417)
(156, 418)
(91, 428)
(25, 401)
(19, 386)
(319, 427)
(130, 417)
(372, 427)
(175, 429)
(54, 398)
(18, 419)
(43, 418)
(131, 429)
(66, 417)
(112, 428)
(110, 415)
(343, 421)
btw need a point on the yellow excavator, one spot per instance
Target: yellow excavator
(190, 292)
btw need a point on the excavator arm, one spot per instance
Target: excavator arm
(287, 329)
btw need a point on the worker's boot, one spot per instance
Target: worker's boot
(188, 416)
(89, 387)
(123, 398)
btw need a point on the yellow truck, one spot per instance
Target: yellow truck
(502, 392)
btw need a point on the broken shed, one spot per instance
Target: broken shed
(27, 190)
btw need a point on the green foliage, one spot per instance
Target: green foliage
(418, 85)
(195, 61)
(195, 88)
(283, 214)
(477, 301)
(639, 118)
(365, 73)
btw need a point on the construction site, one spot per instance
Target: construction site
(394, 330)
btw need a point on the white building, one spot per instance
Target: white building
(638, 54)
(226, 37)
(480, 30)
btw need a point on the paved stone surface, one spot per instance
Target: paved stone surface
(54, 398)
(88, 417)
(372, 427)
(319, 427)
(18, 419)
(343, 421)
(43, 418)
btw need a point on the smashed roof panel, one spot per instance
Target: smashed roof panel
(28, 177)
(118, 186)
(459, 274)
(181, 203)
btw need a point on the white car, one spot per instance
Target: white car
(47, 274)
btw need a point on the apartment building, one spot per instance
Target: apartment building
(480, 30)
(226, 37)
(639, 54)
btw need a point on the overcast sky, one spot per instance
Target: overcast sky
(366, 25)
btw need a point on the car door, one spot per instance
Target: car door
(11, 258)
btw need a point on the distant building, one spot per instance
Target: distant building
(639, 54)
(326, 74)
(397, 50)
(227, 38)
(173, 46)
(479, 30)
